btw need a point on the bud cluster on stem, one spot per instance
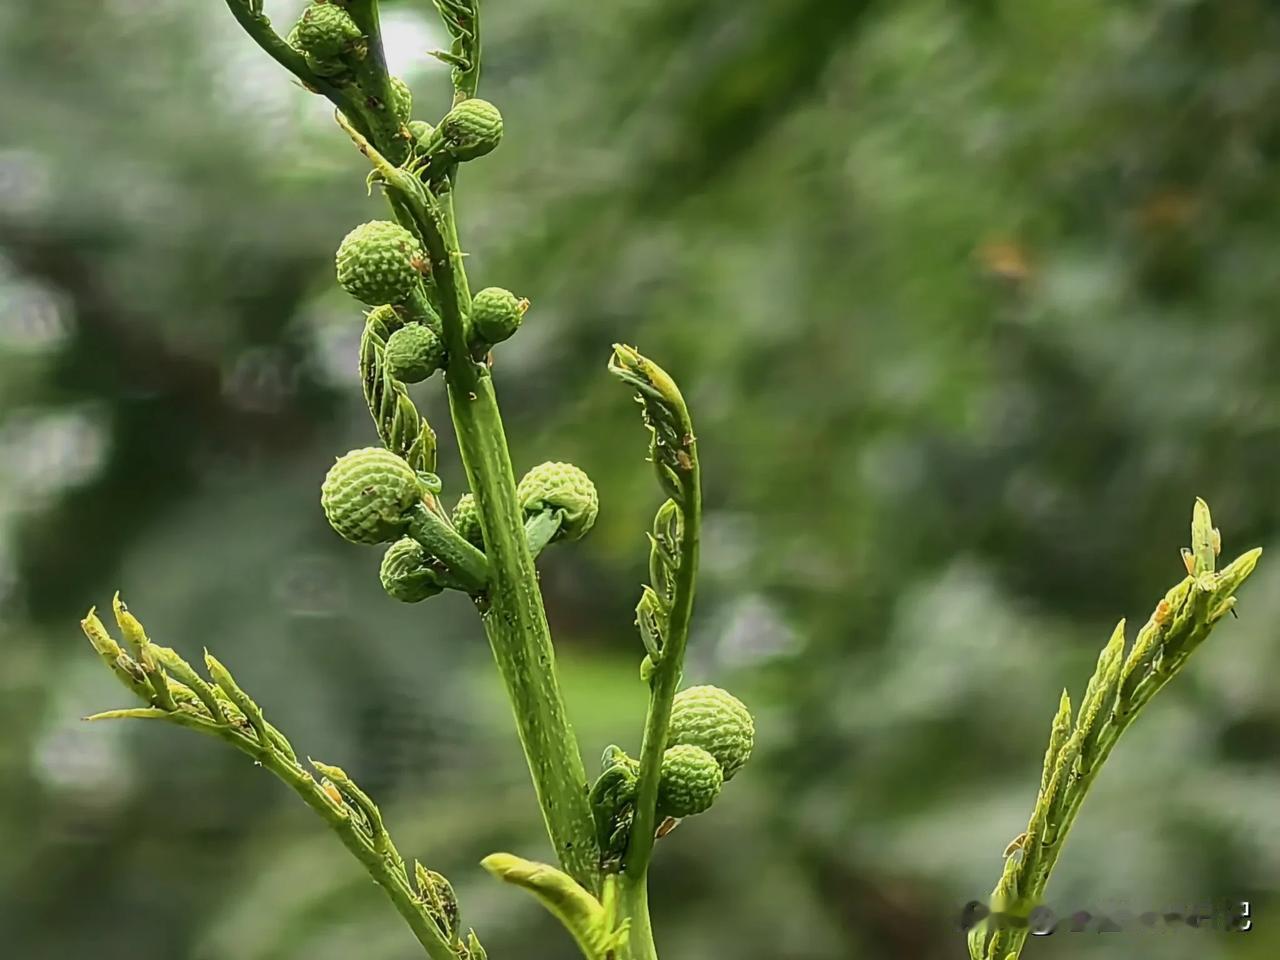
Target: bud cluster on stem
(408, 270)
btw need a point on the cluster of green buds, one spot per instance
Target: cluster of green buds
(373, 496)
(390, 495)
(409, 272)
(710, 737)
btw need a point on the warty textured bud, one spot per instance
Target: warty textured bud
(562, 487)
(413, 353)
(367, 493)
(378, 262)
(466, 520)
(496, 314)
(471, 129)
(715, 720)
(689, 782)
(323, 34)
(404, 574)
(401, 100)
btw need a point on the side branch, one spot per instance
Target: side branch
(667, 606)
(1118, 690)
(176, 693)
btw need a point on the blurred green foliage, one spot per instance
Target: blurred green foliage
(968, 300)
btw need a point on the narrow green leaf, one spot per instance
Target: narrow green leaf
(131, 713)
(227, 684)
(183, 671)
(1059, 730)
(1204, 539)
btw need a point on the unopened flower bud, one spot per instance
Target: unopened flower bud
(716, 721)
(564, 488)
(466, 520)
(690, 781)
(324, 34)
(367, 494)
(405, 575)
(413, 353)
(471, 129)
(378, 262)
(401, 101)
(496, 314)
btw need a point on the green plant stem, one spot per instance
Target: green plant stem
(465, 82)
(465, 563)
(372, 77)
(663, 684)
(634, 906)
(666, 678)
(1010, 942)
(514, 619)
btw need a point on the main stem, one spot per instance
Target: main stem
(514, 619)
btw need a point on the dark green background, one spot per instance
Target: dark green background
(969, 301)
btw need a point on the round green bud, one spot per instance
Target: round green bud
(562, 487)
(378, 262)
(366, 494)
(471, 129)
(401, 101)
(325, 32)
(689, 783)
(716, 721)
(413, 353)
(404, 572)
(421, 131)
(466, 520)
(496, 314)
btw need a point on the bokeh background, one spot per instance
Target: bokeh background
(969, 301)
